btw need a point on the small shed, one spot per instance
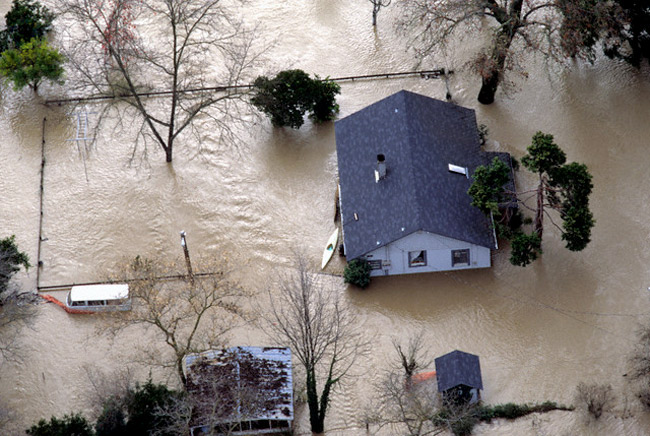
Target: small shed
(459, 376)
(240, 391)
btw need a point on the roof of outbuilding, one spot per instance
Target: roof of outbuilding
(419, 137)
(458, 368)
(248, 383)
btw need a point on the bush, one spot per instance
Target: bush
(357, 273)
(112, 421)
(138, 412)
(11, 259)
(594, 398)
(291, 93)
(69, 425)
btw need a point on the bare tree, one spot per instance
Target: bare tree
(594, 398)
(556, 29)
(412, 405)
(376, 6)
(171, 49)
(189, 316)
(640, 365)
(415, 357)
(323, 333)
(17, 307)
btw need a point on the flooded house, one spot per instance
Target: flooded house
(240, 391)
(405, 165)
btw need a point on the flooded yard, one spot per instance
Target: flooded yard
(539, 331)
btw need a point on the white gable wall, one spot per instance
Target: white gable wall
(395, 256)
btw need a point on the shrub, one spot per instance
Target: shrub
(112, 421)
(594, 398)
(11, 259)
(138, 412)
(69, 425)
(357, 273)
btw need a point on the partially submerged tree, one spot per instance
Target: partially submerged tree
(11, 259)
(170, 48)
(188, 316)
(73, 424)
(514, 27)
(16, 309)
(286, 98)
(30, 64)
(640, 365)
(322, 332)
(594, 399)
(138, 411)
(620, 27)
(563, 188)
(376, 7)
(25, 20)
(631, 42)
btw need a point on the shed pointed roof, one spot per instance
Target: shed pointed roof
(419, 137)
(458, 368)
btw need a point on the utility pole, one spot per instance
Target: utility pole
(187, 257)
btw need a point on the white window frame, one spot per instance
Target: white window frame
(416, 254)
(461, 251)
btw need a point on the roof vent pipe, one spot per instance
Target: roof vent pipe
(380, 172)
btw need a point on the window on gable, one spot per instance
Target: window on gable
(460, 257)
(417, 258)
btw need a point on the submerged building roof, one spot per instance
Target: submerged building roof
(426, 144)
(458, 368)
(240, 384)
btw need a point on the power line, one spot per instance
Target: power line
(425, 74)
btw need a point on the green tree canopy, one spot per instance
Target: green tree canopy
(138, 413)
(25, 20)
(11, 259)
(30, 64)
(487, 190)
(564, 188)
(69, 425)
(291, 93)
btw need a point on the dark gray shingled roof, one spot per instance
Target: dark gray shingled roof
(419, 137)
(458, 368)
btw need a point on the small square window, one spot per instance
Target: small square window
(417, 258)
(460, 257)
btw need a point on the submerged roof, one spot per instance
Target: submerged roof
(458, 368)
(420, 138)
(99, 292)
(240, 384)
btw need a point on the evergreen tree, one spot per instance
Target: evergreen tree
(562, 187)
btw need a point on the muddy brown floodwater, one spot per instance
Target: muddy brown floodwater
(539, 331)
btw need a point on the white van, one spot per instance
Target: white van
(99, 298)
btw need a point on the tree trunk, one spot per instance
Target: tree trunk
(168, 153)
(375, 9)
(539, 213)
(489, 88)
(181, 374)
(317, 424)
